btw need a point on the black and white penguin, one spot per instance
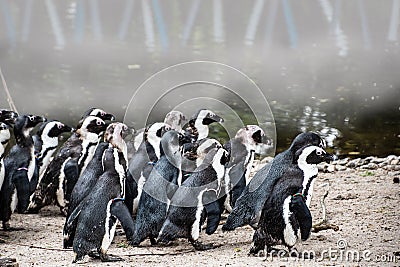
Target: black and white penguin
(242, 149)
(46, 142)
(248, 206)
(21, 173)
(142, 163)
(196, 200)
(3, 127)
(175, 119)
(64, 170)
(286, 217)
(8, 117)
(194, 156)
(159, 189)
(113, 135)
(197, 128)
(97, 112)
(97, 216)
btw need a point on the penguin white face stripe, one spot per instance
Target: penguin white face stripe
(32, 164)
(310, 170)
(152, 137)
(201, 128)
(121, 171)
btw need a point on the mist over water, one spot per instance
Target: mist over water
(326, 66)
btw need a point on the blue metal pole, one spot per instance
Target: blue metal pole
(55, 24)
(162, 29)
(10, 26)
(26, 21)
(253, 22)
(190, 21)
(293, 39)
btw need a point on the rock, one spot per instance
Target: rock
(343, 161)
(331, 168)
(369, 166)
(396, 180)
(353, 163)
(394, 162)
(8, 262)
(396, 167)
(346, 197)
(340, 168)
(378, 160)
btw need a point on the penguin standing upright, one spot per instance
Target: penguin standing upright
(98, 214)
(158, 189)
(142, 163)
(286, 216)
(198, 124)
(248, 206)
(3, 127)
(21, 173)
(46, 142)
(114, 135)
(242, 149)
(195, 200)
(64, 170)
(8, 117)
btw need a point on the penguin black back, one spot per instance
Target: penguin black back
(285, 215)
(248, 206)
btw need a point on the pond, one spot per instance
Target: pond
(325, 66)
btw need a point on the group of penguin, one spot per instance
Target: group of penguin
(168, 181)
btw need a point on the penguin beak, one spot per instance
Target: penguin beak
(109, 117)
(43, 119)
(329, 157)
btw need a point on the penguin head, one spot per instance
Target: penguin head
(176, 119)
(156, 130)
(251, 134)
(98, 113)
(25, 123)
(54, 128)
(205, 117)
(92, 124)
(311, 155)
(115, 134)
(7, 116)
(170, 146)
(305, 139)
(3, 126)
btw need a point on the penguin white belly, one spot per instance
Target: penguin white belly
(45, 162)
(289, 234)
(32, 164)
(110, 226)
(227, 180)
(1, 173)
(141, 182)
(89, 149)
(14, 201)
(196, 225)
(60, 191)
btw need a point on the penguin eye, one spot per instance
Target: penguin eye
(319, 152)
(59, 126)
(102, 113)
(31, 118)
(98, 122)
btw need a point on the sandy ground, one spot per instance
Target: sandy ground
(364, 204)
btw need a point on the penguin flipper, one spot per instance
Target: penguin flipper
(119, 210)
(21, 182)
(303, 215)
(70, 226)
(213, 210)
(71, 171)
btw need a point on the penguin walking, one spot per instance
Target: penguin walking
(159, 189)
(286, 217)
(142, 163)
(8, 117)
(198, 125)
(114, 135)
(242, 149)
(248, 206)
(97, 216)
(21, 173)
(63, 171)
(196, 200)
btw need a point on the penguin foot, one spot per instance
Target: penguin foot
(153, 241)
(94, 254)
(201, 247)
(8, 228)
(79, 259)
(109, 258)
